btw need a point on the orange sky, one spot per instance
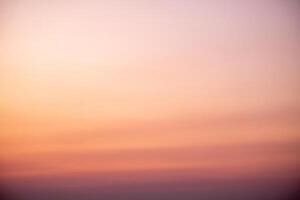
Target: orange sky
(105, 86)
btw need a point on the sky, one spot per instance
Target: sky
(147, 100)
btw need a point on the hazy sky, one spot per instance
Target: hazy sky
(156, 91)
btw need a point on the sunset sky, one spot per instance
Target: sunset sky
(145, 100)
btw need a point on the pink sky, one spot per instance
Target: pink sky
(204, 87)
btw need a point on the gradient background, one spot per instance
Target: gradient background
(147, 100)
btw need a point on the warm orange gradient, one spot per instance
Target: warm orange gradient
(106, 91)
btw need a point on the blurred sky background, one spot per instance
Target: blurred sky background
(147, 100)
